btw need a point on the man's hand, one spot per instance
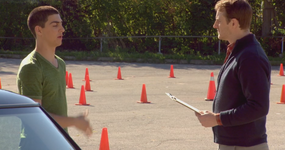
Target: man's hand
(207, 118)
(82, 123)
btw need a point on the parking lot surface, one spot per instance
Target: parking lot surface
(161, 124)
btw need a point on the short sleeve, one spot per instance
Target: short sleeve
(30, 78)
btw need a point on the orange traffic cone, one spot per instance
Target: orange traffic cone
(143, 95)
(171, 72)
(66, 78)
(282, 99)
(281, 72)
(104, 143)
(82, 99)
(119, 77)
(212, 89)
(87, 84)
(0, 84)
(70, 82)
(86, 74)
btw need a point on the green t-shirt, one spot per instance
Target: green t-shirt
(38, 79)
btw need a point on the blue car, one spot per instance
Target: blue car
(25, 125)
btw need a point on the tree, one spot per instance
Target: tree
(273, 21)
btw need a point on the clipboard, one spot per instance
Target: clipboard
(182, 103)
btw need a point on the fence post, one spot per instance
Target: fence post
(282, 45)
(101, 44)
(219, 49)
(159, 46)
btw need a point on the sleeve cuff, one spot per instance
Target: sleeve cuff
(218, 119)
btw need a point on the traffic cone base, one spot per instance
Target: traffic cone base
(208, 99)
(143, 96)
(171, 75)
(104, 143)
(82, 99)
(212, 89)
(142, 102)
(282, 99)
(82, 104)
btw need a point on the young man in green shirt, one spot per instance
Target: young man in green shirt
(41, 75)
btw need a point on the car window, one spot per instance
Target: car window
(30, 129)
(10, 129)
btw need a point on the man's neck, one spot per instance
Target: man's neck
(46, 51)
(238, 36)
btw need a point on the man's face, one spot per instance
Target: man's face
(52, 33)
(223, 28)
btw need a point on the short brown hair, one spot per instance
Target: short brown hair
(39, 16)
(238, 9)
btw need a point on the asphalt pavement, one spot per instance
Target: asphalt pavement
(161, 124)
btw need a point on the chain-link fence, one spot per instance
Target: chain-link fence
(158, 44)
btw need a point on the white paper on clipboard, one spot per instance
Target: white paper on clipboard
(182, 103)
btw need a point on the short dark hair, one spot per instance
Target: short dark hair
(238, 9)
(39, 16)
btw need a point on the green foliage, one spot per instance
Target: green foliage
(280, 17)
(85, 21)
(272, 45)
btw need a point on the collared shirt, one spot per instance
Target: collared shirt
(229, 51)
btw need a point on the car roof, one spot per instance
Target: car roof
(9, 99)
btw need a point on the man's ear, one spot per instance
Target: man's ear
(235, 23)
(38, 30)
